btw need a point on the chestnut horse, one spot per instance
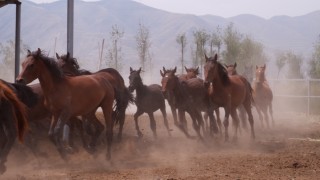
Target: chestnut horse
(262, 95)
(148, 100)
(68, 97)
(228, 92)
(13, 122)
(123, 97)
(190, 97)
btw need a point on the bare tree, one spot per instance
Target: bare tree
(143, 45)
(294, 63)
(215, 41)
(114, 52)
(201, 37)
(280, 61)
(314, 64)
(182, 41)
(232, 40)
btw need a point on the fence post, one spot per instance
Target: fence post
(308, 111)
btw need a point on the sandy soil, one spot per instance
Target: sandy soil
(290, 150)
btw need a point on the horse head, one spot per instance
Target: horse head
(134, 79)
(192, 72)
(168, 79)
(260, 73)
(29, 68)
(231, 69)
(68, 64)
(209, 67)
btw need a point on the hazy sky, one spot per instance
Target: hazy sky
(228, 8)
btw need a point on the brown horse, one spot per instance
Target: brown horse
(68, 97)
(123, 97)
(228, 92)
(148, 100)
(190, 97)
(190, 73)
(262, 95)
(13, 122)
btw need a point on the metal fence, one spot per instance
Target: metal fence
(296, 95)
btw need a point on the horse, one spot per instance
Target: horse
(262, 95)
(190, 96)
(68, 97)
(228, 92)
(148, 100)
(190, 73)
(13, 122)
(231, 69)
(71, 67)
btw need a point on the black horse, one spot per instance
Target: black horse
(148, 100)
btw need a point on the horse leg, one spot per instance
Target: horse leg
(3, 143)
(243, 117)
(98, 130)
(62, 120)
(226, 123)
(106, 106)
(206, 123)
(165, 120)
(247, 106)
(213, 123)
(265, 114)
(260, 115)
(218, 120)
(153, 125)
(271, 112)
(79, 125)
(174, 114)
(235, 122)
(136, 116)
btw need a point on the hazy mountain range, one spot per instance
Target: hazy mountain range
(43, 24)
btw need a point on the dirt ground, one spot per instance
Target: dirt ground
(290, 150)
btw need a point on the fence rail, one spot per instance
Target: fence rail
(297, 88)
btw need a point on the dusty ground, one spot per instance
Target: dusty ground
(290, 150)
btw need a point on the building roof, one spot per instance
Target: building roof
(6, 2)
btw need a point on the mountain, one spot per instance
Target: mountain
(43, 24)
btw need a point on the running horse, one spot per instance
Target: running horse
(13, 122)
(70, 66)
(228, 92)
(262, 95)
(68, 97)
(190, 97)
(148, 100)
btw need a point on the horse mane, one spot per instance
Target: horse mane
(24, 93)
(223, 74)
(50, 63)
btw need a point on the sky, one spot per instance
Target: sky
(229, 8)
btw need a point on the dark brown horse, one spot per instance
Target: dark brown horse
(148, 100)
(123, 97)
(13, 122)
(262, 95)
(68, 97)
(190, 97)
(228, 92)
(190, 73)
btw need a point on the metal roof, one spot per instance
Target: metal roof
(6, 2)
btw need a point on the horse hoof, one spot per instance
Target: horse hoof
(69, 149)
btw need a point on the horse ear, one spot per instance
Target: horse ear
(197, 70)
(131, 69)
(57, 55)
(175, 70)
(29, 52)
(38, 51)
(68, 55)
(235, 65)
(164, 69)
(139, 70)
(186, 68)
(215, 57)
(161, 73)
(205, 56)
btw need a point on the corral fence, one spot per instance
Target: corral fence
(296, 95)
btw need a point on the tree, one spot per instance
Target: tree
(294, 63)
(182, 41)
(215, 41)
(314, 64)
(232, 40)
(7, 55)
(143, 46)
(280, 61)
(201, 37)
(114, 52)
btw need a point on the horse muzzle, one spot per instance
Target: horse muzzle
(20, 81)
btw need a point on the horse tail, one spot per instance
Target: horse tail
(19, 110)
(123, 99)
